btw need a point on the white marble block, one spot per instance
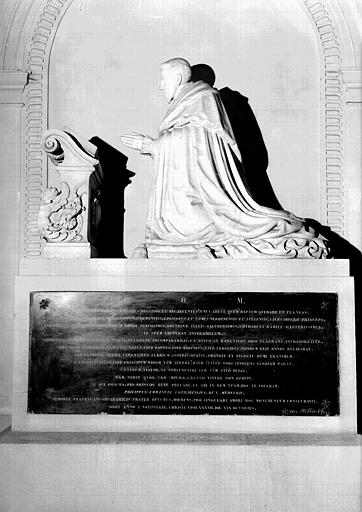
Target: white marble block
(127, 278)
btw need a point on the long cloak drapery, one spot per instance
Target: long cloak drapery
(200, 206)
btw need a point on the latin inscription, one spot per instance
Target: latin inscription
(183, 353)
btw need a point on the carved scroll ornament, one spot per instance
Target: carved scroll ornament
(63, 214)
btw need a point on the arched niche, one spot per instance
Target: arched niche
(96, 70)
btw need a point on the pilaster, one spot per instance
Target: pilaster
(12, 84)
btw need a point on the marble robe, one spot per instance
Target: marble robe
(199, 206)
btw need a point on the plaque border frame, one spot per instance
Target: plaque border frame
(345, 422)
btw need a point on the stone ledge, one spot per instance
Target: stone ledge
(9, 437)
(129, 267)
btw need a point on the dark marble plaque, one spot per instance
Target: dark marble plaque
(183, 353)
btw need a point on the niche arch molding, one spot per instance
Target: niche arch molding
(335, 52)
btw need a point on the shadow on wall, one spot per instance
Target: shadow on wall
(106, 201)
(248, 137)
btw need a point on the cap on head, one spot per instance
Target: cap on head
(180, 66)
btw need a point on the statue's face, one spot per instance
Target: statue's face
(170, 82)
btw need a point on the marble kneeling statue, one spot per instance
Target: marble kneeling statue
(199, 205)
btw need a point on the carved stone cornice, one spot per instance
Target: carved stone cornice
(332, 111)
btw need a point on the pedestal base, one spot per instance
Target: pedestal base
(125, 473)
(98, 300)
(81, 250)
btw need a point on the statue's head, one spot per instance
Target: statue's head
(175, 73)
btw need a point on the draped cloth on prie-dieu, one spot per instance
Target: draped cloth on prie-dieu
(199, 205)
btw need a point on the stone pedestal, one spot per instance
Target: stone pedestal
(256, 464)
(63, 214)
(88, 472)
(77, 292)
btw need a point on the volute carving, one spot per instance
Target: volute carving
(63, 214)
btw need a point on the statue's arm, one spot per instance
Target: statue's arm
(148, 146)
(143, 143)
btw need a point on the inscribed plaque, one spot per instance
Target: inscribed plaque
(164, 353)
